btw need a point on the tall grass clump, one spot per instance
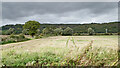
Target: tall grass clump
(67, 41)
(73, 41)
(92, 57)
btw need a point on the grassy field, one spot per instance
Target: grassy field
(61, 51)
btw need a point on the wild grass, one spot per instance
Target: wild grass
(73, 42)
(89, 55)
(67, 41)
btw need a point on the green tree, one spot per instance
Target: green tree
(68, 31)
(25, 31)
(10, 31)
(58, 31)
(32, 27)
(38, 31)
(47, 31)
(90, 31)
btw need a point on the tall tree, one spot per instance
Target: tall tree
(32, 27)
(47, 31)
(25, 31)
(68, 31)
(10, 31)
(90, 31)
(58, 31)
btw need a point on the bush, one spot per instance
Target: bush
(21, 36)
(75, 34)
(25, 31)
(58, 31)
(103, 34)
(118, 33)
(13, 38)
(68, 31)
(41, 34)
(48, 31)
(37, 37)
(90, 31)
(10, 31)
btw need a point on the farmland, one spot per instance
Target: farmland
(65, 33)
(62, 50)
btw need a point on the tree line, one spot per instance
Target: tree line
(35, 28)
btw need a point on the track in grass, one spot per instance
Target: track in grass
(64, 49)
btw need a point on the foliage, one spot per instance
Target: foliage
(38, 31)
(32, 27)
(10, 31)
(25, 31)
(89, 55)
(90, 31)
(97, 57)
(47, 31)
(68, 31)
(58, 31)
(38, 36)
(75, 34)
(13, 38)
(17, 29)
(81, 29)
(26, 59)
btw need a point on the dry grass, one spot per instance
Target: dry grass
(80, 50)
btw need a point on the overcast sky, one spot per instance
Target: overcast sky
(59, 12)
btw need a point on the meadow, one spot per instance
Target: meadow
(62, 51)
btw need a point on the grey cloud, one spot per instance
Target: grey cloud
(60, 0)
(57, 11)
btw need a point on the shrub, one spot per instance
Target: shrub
(103, 34)
(75, 34)
(41, 34)
(90, 31)
(47, 31)
(10, 31)
(13, 38)
(68, 31)
(118, 33)
(58, 31)
(38, 36)
(21, 36)
(106, 34)
(25, 31)
(38, 31)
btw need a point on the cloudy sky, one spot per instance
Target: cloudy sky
(59, 12)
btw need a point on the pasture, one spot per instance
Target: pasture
(62, 51)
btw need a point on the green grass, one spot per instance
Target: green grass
(90, 55)
(97, 57)
(67, 41)
(16, 59)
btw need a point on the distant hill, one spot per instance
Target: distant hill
(77, 28)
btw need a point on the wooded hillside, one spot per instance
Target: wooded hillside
(112, 27)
